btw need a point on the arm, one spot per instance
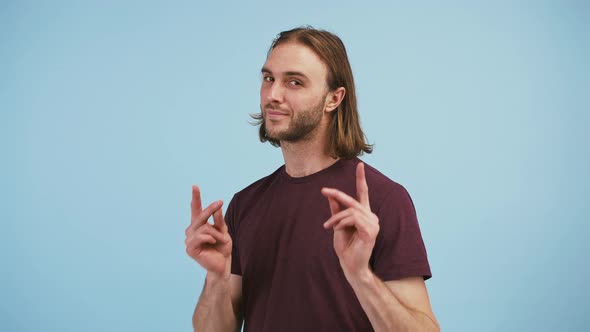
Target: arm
(219, 307)
(400, 305)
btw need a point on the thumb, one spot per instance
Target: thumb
(218, 220)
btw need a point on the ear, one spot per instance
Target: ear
(334, 98)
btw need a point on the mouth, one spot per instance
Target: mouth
(275, 113)
(271, 113)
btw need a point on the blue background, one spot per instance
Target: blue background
(109, 111)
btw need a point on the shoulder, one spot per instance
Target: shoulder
(255, 190)
(383, 190)
(261, 184)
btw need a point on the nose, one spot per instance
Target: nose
(274, 93)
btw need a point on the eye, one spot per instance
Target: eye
(295, 83)
(267, 78)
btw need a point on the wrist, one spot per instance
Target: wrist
(215, 278)
(362, 277)
(219, 275)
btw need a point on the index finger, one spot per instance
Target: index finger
(196, 206)
(362, 189)
(341, 198)
(334, 206)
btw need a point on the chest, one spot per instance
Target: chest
(283, 233)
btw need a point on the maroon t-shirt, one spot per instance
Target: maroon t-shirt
(291, 277)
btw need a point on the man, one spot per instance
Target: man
(325, 243)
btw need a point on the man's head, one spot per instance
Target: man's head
(308, 83)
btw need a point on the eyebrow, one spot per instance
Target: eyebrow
(287, 73)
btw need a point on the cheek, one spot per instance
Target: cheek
(310, 102)
(262, 93)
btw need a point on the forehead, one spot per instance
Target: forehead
(295, 57)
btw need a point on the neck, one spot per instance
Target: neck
(307, 156)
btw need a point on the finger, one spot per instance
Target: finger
(341, 198)
(337, 217)
(200, 239)
(345, 223)
(362, 189)
(196, 207)
(218, 220)
(214, 232)
(365, 230)
(334, 206)
(202, 217)
(208, 211)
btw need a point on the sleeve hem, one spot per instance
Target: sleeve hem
(414, 271)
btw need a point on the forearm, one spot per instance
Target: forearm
(384, 310)
(214, 311)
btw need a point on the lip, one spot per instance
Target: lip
(274, 114)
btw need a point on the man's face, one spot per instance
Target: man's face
(293, 92)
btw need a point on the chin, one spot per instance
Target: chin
(275, 134)
(275, 128)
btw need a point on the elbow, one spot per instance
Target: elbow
(435, 327)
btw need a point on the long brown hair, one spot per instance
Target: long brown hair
(345, 135)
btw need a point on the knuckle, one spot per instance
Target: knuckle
(204, 213)
(375, 229)
(203, 216)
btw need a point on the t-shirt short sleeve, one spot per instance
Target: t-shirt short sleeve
(399, 250)
(231, 222)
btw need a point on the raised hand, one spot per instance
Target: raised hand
(355, 226)
(209, 244)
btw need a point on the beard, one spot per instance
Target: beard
(302, 125)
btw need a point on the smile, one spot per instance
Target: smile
(275, 114)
